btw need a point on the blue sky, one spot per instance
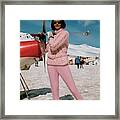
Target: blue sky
(75, 28)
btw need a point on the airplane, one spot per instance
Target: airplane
(32, 47)
(86, 33)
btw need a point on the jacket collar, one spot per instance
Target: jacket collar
(57, 31)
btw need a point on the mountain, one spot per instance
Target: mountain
(83, 50)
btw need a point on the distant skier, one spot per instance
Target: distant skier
(77, 61)
(81, 62)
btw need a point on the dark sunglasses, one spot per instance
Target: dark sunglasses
(59, 22)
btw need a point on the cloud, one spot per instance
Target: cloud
(89, 22)
(86, 23)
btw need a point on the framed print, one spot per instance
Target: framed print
(59, 59)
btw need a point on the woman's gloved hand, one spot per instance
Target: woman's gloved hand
(51, 34)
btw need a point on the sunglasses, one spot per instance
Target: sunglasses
(55, 22)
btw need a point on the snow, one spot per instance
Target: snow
(25, 37)
(83, 50)
(87, 81)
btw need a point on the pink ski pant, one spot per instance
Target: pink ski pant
(65, 73)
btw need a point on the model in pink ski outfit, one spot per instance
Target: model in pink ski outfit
(57, 61)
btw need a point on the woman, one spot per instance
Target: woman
(57, 61)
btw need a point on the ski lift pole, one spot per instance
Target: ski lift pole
(44, 40)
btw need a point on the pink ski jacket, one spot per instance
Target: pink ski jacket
(57, 48)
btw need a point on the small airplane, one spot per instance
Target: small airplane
(86, 33)
(32, 47)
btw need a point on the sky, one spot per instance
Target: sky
(76, 29)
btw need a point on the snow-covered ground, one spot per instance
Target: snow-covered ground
(87, 81)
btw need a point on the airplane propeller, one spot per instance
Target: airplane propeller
(44, 40)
